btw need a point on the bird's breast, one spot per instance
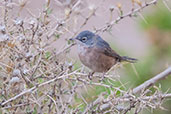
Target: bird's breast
(95, 60)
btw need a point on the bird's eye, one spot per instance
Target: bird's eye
(84, 39)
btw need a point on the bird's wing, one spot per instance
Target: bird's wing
(104, 47)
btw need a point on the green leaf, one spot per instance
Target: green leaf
(40, 80)
(69, 42)
(49, 11)
(35, 110)
(57, 36)
(47, 54)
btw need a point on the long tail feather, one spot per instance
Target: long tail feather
(128, 59)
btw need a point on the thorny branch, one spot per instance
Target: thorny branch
(141, 87)
(129, 14)
(35, 73)
(152, 81)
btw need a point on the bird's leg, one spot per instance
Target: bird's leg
(90, 75)
(103, 77)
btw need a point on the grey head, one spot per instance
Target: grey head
(85, 38)
(90, 39)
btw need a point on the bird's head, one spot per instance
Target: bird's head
(85, 38)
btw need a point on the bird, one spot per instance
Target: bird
(96, 54)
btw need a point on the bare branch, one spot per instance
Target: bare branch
(143, 86)
(33, 88)
(152, 81)
(35, 72)
(129, 14)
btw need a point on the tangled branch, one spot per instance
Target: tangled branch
(38, 76)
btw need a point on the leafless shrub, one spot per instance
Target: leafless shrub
(37, 78)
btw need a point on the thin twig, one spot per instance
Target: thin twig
(129, 14)
(33, 88)
(143, 86)
(152, 81)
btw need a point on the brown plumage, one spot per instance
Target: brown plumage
(96, 54)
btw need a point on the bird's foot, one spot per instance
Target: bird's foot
(90, 75)
(102, 77)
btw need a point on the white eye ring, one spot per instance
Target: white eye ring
(84, 38)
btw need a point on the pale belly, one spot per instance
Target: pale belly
(97, 62)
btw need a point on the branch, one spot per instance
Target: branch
(35, 87)
(152, 81)
(129, 14)
(141, 87)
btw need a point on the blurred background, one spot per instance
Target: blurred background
(145, 36)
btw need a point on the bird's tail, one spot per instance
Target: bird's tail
(128, 59)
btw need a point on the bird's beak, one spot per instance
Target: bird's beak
(72, 39)
(75, 40)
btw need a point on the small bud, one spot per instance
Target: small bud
(67, 12)
(2, 29)
(28, 54)
(25, 71)
(16, 72)
(77, 10)
(14, 80)
(10, 44)
(119, 5)
(112, 8)
(91, 7)
(18, 22)
(22, 3)
(138, 2)
(69, 64)
(4, 37)
(32, 22)
(40, 33)
(20, 37)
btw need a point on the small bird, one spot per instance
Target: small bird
(96, 54)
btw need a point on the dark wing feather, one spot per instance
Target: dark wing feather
(105, 48)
